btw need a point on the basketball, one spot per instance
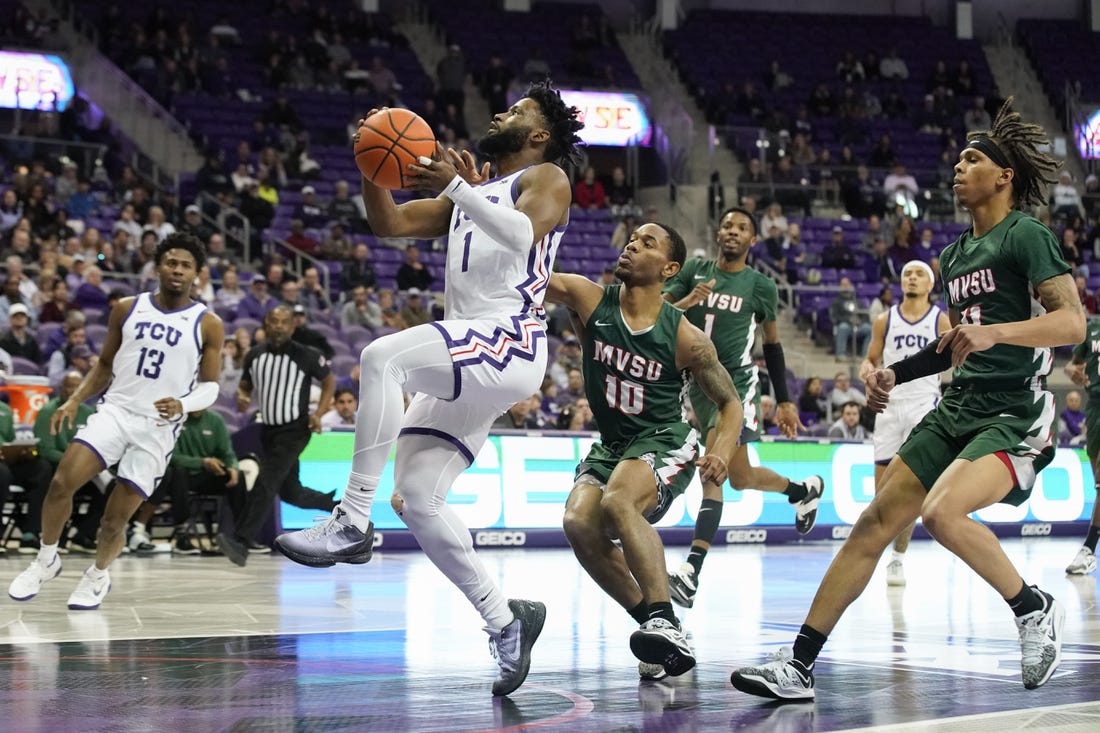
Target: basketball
(389, 141)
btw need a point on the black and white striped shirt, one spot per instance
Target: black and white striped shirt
(281, 380)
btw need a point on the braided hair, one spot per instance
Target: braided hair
(564, 123)
(1020, 141)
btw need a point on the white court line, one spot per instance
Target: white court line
(1031, 713)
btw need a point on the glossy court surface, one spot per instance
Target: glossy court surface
(195, 644)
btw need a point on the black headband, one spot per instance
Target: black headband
(986, 145)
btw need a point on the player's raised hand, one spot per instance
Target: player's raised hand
(712, 469)
(431, 175)
(466, 166)
(878, 384)
(786, 417)
(702, 291)
(362, 121)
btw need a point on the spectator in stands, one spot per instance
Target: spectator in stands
(217, 257)
(518, 417)
(128, 223)
(18, 340)
(576, 416)
(881, 303)
(849, 321)
(157, 223)
(568, 360)
(193, 223)
(848, 426)
(843, 392)
(290, 293)
(242, 177)
(303, 334)
(298, 239)
(1065, 200)
(203, 288)
(773, 218)
(258, 302)
(849, 69)
(416, 311)
(11, 211)
(862, 195)
(336, 244)
(812, 403)
(12, 296)
(1071, 252)
(21, 248)
(876, 229)
(345, 403)
(359, 270)
(1088, 300)
(384, 82)
(313, 294)
(588, 192)
(258, 211)
(271, 173)
(893, 66)
(282, 114)
(230, 294)
(926, 249)
(413, 273)
(882, 155)
(360, 310)
(1071, 420)
(346, 210)
(838, 255)
(801, 153)
(91, 293)
(793, 253)
(754, 182)
(74, 355)
(790, 188)
(451, 77)
(311, 212)
(1090, 198)
(976, 116)
(621, 234)
(821, 102)
(620, 194)
(495, 81)
(776, 78)
(901, 187)
(574, 388)
(391, 318)
(74, 319)
(54, 309)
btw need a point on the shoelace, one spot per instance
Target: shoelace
(1032, 638)
(327, 525)
(496, 638)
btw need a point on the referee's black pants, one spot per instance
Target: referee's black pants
(282, 445)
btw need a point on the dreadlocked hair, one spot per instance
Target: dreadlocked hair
(563, 122)
(1032, 169)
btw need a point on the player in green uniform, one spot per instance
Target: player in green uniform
(1010, 298)
(1084, 370)
(726, 300)
(638, 350)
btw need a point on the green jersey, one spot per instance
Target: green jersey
(203, 437)
(992, 279)
(1089, 352)
(50, 445)
(738, 303)
(630, 378)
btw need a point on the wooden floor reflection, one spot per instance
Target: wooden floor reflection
(195, 644)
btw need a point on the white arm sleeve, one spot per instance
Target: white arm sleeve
(201, 397)
(509, 227)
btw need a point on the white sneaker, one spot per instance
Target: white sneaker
(805, 511)
(1041, 642)
(27, 584)
(895, 573)
(139, 541)
(779, 678)
(89, 593)
(682, 586)
(1083, 564)
(659, 641)
(647, 671)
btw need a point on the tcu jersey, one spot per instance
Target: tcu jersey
(487, 279)
(159, 355)
(905, 338)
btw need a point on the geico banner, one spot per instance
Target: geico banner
(522, 481)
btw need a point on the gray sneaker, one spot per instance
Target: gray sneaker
(1041, 642)
(323, 545)
(511, 646)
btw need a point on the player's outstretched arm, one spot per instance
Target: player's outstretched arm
(695, 352)
(575, 292)
(786, 412)
(873, 359)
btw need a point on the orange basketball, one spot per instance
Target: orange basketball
(389, 141)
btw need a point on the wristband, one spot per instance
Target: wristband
(777, 371)
(924, 363)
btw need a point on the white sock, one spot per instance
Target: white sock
(897, 556)
(496, 613)
(359, 498)
(47, 553)
(139, 528)
(95, 573)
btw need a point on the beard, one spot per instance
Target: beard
(502, 142)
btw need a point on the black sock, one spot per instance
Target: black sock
(639, 613)
(795, 492)
(663, 610)
(696, 557)
(1028, 600)
(807, 645)
(1090, 539)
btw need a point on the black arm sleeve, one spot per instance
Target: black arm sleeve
(777, 371)
(925, 362)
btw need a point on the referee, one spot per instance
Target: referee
(279, 372)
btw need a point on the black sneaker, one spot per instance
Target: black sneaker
(82, 544)
(234, 548)
(805, 511)
(257, 548)
(659, 641)
(184, 546)
(323, 545)
(512, 645)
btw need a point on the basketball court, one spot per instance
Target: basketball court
(195, 644)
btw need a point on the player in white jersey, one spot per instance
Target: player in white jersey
(466, 370)
(902, 331)
(161, 359)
